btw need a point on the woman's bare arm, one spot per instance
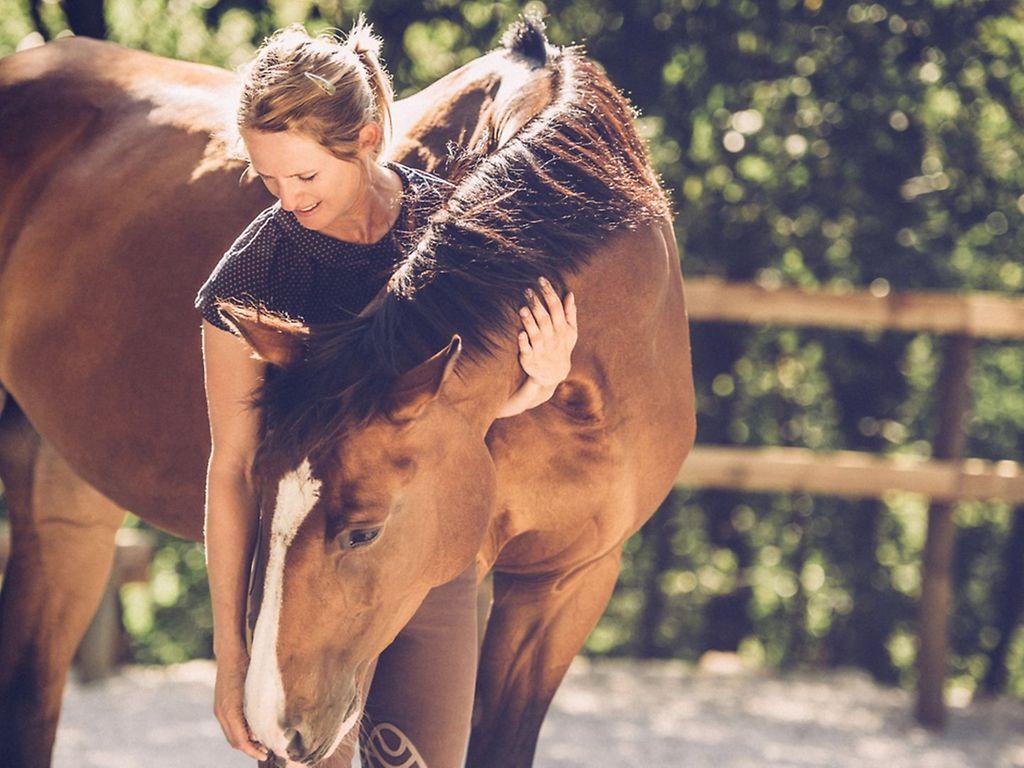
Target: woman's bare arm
(231, 374)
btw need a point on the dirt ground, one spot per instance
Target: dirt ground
(614, 714)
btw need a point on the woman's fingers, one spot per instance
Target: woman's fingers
(245, 741)
(554, 304)
(548, 320)
(524, 343)
(540, 312)
(253, 751)
(529, 323)
(262, 753)
(229, 712)
(238, 736)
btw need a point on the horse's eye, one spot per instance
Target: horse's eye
(360, 538)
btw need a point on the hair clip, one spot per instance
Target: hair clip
(323, 82)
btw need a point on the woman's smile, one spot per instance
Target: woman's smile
(360, 197)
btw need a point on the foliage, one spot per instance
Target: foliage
(868, 145)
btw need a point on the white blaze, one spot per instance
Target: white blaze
(297, 493)
(348, 725)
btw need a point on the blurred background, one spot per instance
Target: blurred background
(824, 145)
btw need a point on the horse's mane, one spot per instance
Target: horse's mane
(538, 205)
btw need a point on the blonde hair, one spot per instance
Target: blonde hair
(326, 86)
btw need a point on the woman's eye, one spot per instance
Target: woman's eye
(308, 178)
(361, 538)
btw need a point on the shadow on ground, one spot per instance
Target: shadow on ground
(614, 714)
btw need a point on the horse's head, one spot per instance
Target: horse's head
(354, 532)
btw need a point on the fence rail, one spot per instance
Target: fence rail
(850, 473)
(946, 478)
(976, 315)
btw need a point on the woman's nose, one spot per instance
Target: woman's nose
(288, 193)
(289, 200)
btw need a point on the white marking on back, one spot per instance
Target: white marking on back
(297, 493)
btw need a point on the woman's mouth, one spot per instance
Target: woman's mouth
(306, 211)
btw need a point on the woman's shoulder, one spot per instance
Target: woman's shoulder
(244, 272)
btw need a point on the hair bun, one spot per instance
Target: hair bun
(362, 39)
(327, 85)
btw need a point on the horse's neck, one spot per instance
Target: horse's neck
(497, 92)
(454, 109)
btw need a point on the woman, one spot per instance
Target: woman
(312, 117)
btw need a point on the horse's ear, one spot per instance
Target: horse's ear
(274, 338)
(423, 383)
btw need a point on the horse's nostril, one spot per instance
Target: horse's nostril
(296, 749)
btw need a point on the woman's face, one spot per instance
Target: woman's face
(315, 185)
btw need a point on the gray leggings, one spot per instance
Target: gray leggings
(420, 703)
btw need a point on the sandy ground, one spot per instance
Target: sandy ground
(610, 713)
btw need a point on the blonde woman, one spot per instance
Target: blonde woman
(312, 119)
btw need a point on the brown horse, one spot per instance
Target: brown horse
(115, 205)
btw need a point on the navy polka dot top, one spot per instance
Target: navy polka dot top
(310, 276)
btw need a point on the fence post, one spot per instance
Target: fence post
(953, 391)
(99, 650)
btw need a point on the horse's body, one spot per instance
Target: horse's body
(114, 205)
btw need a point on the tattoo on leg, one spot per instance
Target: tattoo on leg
(386, 746)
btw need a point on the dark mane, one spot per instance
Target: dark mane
(541, 204)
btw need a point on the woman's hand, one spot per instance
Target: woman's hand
(227, 706)
(549, 335)
(545, 347)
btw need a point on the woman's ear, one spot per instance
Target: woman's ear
(370, 136)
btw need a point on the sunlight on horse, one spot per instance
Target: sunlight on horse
(382, 469)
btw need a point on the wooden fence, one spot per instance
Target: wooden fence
(946, 477)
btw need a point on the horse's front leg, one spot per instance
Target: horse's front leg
(535, 629)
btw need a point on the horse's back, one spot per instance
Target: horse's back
(53, 90)
(97, 72)
(78, 107)
(115, 202)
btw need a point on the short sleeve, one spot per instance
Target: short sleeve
(256, 271)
